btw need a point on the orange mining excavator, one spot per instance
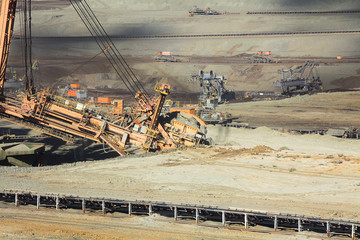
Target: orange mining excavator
(146, 125)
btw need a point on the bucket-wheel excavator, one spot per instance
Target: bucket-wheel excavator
(43, 111)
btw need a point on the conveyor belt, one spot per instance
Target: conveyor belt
(40, 128)
(230, 218)
(240, 34)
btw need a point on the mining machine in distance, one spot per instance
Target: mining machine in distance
(198, 11)
(213, 91)
(300, 80)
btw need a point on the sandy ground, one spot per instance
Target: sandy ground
(306, 112)
(260, 169)
(277, 172)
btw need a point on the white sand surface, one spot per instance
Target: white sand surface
(257, 169)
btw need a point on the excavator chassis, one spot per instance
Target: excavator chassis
(46, 115)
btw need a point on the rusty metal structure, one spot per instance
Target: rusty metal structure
(263, 57)
(166, 57)
(198, 11)
(64, 119)
(7, 13)
(189, 213)
(300, 80)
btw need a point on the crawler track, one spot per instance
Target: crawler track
(204, 215)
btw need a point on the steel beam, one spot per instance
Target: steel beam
(103, 210)
(16, 200)
(150, 209)
(38, 201)
(83, 205)
(223, 218)
(197, 215)
(290, 221)
(246, 221)
(175, 213)
(57, 203)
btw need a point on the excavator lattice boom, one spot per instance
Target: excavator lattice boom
(55, 116)
(7, 18)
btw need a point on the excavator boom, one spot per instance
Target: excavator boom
(7, 17)
(61, 117)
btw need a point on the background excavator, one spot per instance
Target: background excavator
(146, 125)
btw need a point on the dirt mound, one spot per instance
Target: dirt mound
(315, 143)
(308, 112)
(261, 149)
(234, 152)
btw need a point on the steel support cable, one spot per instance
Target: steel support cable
(102, 38)
(25, 46)
(92, 31)
(22, 33)
(126, 70)
(21, 27)
(108, 56)
(77, 68)
(97, 34)
(31, 82)
(118, 54)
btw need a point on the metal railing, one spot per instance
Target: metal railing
(218, 217)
